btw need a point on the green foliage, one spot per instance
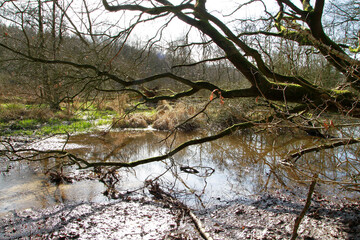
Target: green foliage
(101, 122)
(354, 50)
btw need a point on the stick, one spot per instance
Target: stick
(306, 207)
(199, 226)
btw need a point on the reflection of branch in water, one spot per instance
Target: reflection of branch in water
(199, 171)
(329, 145)
(188, 169)
(110, 179)
(198, 196)
(205, 171)
(82, 163)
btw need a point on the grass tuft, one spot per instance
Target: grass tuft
(169, 117)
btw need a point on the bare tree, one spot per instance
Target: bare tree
(254, 48)
(50, 31)
(300, 25)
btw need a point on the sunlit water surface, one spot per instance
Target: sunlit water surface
(233, 167)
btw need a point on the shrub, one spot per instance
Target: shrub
(137, 120)
(170, 117)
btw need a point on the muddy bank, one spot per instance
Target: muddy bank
(265, 217)
(272, 217)
(139, 219)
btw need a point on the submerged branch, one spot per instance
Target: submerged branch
(160, 194)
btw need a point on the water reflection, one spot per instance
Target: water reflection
(28, 187)
(244, 164)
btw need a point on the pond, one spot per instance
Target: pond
(205, 175)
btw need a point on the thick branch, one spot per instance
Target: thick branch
(152, 11)
(319, 6)
(292, 6)
(195, 85)
(332, 51)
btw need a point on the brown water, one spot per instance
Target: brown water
(243, 164)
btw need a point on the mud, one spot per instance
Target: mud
(131, 219)
(262, 217)
(273, 217)
(139, 216)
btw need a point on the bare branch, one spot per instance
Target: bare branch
(197, 63)
(305, 209)
(30, 153)
(152, 11)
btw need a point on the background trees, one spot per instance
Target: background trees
(293, 61)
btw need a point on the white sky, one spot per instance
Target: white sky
(177, 28)
(217, 7)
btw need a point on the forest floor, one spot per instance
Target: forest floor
(262, 217)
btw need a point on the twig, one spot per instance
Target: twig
(306, 207)
(158, 193)
(173, 130)
(199, 226)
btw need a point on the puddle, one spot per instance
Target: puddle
(231, 168)
(28, 187)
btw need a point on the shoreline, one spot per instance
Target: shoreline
(263, 217)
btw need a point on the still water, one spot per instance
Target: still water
(233, 167)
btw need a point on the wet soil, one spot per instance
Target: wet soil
(273, 217)
(142, 217)
(117, 220)
(262, 217)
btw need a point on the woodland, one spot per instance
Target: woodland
(279, 68)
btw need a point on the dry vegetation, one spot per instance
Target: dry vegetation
(165, 116)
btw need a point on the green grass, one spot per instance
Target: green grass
(34, 127)
(104, 122)
(30, 120)
(78, 126)
(19, 119)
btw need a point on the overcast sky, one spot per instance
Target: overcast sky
(219, 8)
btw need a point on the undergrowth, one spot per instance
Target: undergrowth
(29, 120)
(22, 119)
